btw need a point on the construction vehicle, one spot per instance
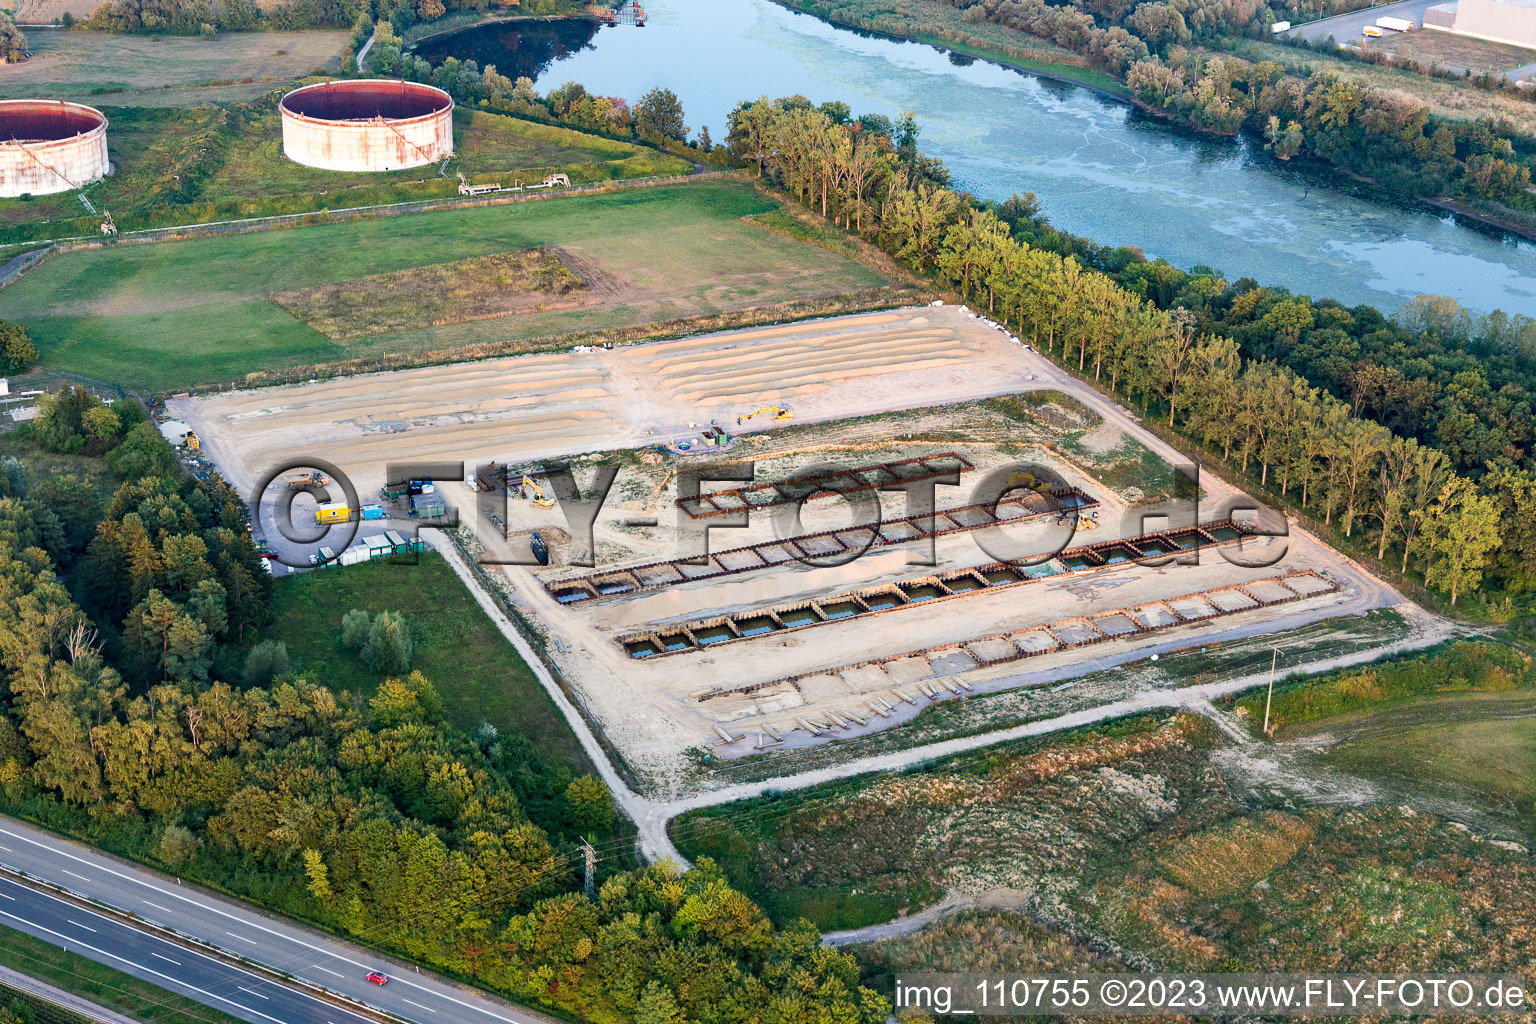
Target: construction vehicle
(537, 496)
(191, 441)
(316, 478)
(539, 548)
(778, 414)
(1029, 480)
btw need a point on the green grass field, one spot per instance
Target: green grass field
(479, 674)
(485, 145)
(1478, 748)
(100, 984)
(168, 315)
(186, 165)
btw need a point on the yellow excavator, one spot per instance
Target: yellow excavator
(1029, 480)
(191, 441)
(778, 414)
(537, 496)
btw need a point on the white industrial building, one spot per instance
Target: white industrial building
(1498, 21)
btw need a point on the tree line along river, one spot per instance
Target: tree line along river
(1100, 167)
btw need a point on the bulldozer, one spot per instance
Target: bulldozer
(191, 441)
(534, 493)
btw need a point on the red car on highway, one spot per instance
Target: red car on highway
(378, 977)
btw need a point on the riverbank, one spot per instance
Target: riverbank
(465, 20)
(1461, 209)
(955, 40)
(973, 46)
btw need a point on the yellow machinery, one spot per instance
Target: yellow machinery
(538, 497)
(1029, 480)
(778, 414)
(193, 444)
(333, 514)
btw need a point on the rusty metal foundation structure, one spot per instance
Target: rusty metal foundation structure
(843, 481)
(1063, 502)
(944, 660)
(930, 589)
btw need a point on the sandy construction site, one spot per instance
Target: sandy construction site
(542, 406)
(784, 636)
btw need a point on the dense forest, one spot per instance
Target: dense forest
(124, 583)
(1405, 439)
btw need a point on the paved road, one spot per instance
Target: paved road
(53, 994)
(233, 927)
(1345, 28)
(171, 966)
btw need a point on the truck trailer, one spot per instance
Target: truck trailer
(1395, 24)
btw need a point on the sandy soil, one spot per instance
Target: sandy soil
(520, 409)
(541, 406)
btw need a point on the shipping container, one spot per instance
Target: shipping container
(325, 556)
(333, 514)
(373, 511)
(354, 554)
(379, 547)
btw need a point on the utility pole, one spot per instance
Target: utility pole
(1271, 695)
(590, 880)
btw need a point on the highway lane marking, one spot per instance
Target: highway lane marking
(417, 1005)
(242, 938)
(146, 970)
(71, 874)
(327, 970)
(166, 958)
(66, 939)
(258, 995)
(63, 852)
(157, 907)
(77, 924)
(11, 898)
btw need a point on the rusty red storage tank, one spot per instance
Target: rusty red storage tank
(50, 146)
(367, 125)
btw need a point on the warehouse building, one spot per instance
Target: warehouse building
(1498, 21)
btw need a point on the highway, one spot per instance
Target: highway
(233, 927)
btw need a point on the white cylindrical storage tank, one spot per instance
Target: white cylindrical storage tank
(367, 125)
(50, 146)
